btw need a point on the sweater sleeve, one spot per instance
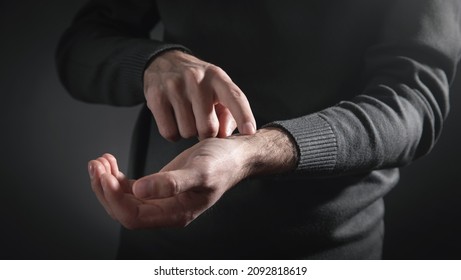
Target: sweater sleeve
(101, 57)
(399, 114)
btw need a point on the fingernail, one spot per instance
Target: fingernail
(91, 170)
(248, 128)
(143, 189)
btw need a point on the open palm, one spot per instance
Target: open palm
(175, 196)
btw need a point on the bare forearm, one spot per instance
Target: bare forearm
(193, 181)
(269, 151)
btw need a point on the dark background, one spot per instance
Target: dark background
(47, 209)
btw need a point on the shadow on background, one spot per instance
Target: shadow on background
(47, 208)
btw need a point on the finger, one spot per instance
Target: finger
(185, 119)
(182, 108)
(127, 185)
(123, 206)
(202, 100)
(113, 164)
(134, 214)
(105, 163)
(227, 123)
(230, 95)
(96, 169)
(163, 114)
(166, 184)
(109, 160)
(123, 180)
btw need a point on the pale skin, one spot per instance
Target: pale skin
(189, 97)
(198, 177)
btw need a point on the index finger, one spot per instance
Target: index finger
(231, 96)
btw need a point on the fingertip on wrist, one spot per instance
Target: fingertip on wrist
(248, 128)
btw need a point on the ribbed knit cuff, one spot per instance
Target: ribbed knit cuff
(316, 143)
(141, 54)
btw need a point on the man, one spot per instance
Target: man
(347, 92)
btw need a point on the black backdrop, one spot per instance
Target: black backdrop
(47, 209)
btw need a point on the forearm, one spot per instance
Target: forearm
(270, 151)
(398, 115)
(395, 121)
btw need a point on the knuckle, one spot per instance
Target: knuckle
(235, 92)
(206, 177)
(173, 85)
(104, 162)
(109, 157)
(101, 159)
(172, 184)
(217, 72)
(213, 69)
(193, 73)
(228, 84)
(208, 130)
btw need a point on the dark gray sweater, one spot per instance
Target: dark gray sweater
(361, 85)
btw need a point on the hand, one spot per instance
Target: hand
(189, 97)
(192, 182)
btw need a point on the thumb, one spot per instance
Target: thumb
(164, 184)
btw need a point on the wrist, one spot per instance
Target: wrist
(269, 151)
(166, 52)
